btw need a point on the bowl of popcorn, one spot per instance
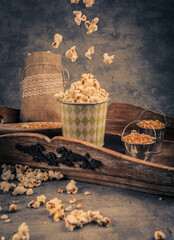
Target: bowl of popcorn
(145, 126)
(83, 110)
(138, 145)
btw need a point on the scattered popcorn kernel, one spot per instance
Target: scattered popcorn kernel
(71, 187)
(57, 40)
(41, 199)
(90, 52)
(69, 208)
(53, 204)
(159, 235)
(4, 217)
(19, 190)
(60, 190)
(71, 53)
(56, 208)
(108, 59)
(73, 200)
(79, 206)
(7, 220)
(92, 26)
(29, 192)
(7, 175)
(13, 207)
(23, 233)
(89, 3)
(34, 204)
(56, 175)
(86, 193)
(5, 186)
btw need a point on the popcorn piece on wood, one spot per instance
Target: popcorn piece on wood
(92, 26)
(55, 175)
(4, 217)
(57, 40)
(7, 175)
(73, 200)
(41, 199)
(71, 54)
(79, 206)
(13, 207)
(108, 59)
(89, 52)
(5, 186)
(60, 190)
(86, 193)
(69, 208)
(159, 235)
(71, 187)
(7, 220)
(88, 3)
(23, 233)
(56, 208)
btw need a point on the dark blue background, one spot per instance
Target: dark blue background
(140, 34)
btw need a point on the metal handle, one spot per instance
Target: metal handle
(63, 69)
(135, 121)
(158, 111)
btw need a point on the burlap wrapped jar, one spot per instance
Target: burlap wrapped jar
(43, 76)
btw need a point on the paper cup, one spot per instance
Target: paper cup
(84, 121)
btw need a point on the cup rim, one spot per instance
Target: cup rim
(92, 103)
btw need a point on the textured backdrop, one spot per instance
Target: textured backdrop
(139, 33)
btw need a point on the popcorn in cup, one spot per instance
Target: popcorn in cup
(83, 110)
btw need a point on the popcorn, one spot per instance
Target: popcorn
(92, 26)
(34, 204)
(60, 190)
(23, 233)
(7, 220)
(78, 218)
(85, 91)
(69, 208)
(89, 52)
(71, 53)
(159, 235)
(79, 17)
(41, 199)
(5, 186)
(57, 40)
(29, 192)
(7, 175)
(56, 208)
(73, 200)
(79, 206)
(71, 187)
(0, 208)
(13, 207)
(75, 1)
(4, 217)
(19, 190)
(108, 59)
(89, 3)
(56, 175)
(86, 193)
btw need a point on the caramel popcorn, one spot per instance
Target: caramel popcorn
(85, 91)
(150, 123)
(108, 59)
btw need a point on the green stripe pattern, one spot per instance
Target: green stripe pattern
(84, 121)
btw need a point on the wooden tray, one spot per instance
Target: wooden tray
(108, 165)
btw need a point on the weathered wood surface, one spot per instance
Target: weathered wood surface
(120, 114)
(116, 169)
(9, 115)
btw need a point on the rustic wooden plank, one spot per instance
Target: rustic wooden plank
(10, 115)
(120, 114)
(116, 168)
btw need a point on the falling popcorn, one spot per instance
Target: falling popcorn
(89, 52)
(79, 17)
(92, 26)
(75, 1)
(57, 40)
(71, 53)
(108, 59)
(89, 3)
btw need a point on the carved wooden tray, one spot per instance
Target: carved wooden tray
(108, 165)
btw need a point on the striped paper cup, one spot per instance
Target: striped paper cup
(84, 121)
